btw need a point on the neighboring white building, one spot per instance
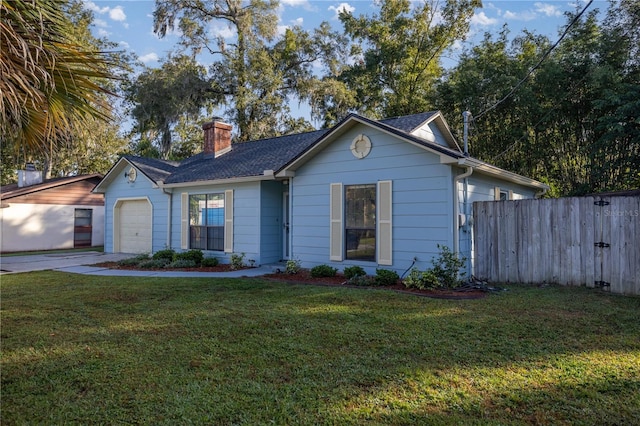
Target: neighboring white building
(58, 213)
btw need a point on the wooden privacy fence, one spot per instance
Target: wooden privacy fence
(592, 241)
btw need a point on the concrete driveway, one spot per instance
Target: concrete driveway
(80, 263)
(42, 262)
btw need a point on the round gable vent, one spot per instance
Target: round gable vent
(361, 146)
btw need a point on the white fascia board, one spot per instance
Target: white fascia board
(216, 181)
(488, 169)
(109, 177)
(286, 172)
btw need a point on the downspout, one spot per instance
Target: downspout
(290, 233)
(169, 209)
(540, 193)
(456, 202)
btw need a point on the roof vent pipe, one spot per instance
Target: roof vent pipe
(465, 117)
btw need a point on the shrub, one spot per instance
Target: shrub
(385, 277)
(293, 266)
(421, 280)
(363, 280)
(237, 261)
(447, 267)
(134, 261)
(153, 263)
(353, 272)
(166, 254)
(194, 255)
(323, 271)
(210, 261)
(182, 263)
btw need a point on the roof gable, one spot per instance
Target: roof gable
(407, 125)
(12, 191)
(152, 168)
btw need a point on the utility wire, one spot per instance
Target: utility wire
(531, 70)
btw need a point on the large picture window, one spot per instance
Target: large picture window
(360, 222)
(206, 222)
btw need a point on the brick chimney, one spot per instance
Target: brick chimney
(217, 137)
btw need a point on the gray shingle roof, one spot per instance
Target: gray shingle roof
(154, 169)
(245, 159)
(248, 159)
(408, 123)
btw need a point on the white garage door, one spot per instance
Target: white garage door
(135, 226)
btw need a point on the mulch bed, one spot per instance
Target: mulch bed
(303, 277)
(220, 268)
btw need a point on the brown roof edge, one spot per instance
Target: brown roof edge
(12, 190)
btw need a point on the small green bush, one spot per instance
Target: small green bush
(421, 279)
(385, 277)
(166, 254)
(293, 266)
(194, 255)
(362, 280)
(323, 271)
(353, 272)
(447, 267)
(237, 261)
(210, 262)
(134, 261)
(153, 264)
(182, 263)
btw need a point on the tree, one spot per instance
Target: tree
(571, 123)
(56, 83)
(163, 97)
(47, 80)
(399, 61)
(257, 74)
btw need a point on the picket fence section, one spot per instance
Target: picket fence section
(592, 241)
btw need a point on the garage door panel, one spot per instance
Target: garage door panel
(135, 226)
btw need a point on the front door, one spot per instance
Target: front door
(82, 227)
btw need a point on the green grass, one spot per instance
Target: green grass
(102, 350)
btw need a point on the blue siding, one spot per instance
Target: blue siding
(246, 220)
(121, 189)
(271, 229)
(422, 198)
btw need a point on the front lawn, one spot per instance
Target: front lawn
(103, 350)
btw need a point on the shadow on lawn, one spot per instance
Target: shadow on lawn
(250, 351)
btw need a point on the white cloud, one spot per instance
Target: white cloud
(282, 29)
(547, 9)
(342, 7)
(481, 19)
(294, 3)
(221, 30)
(526, 15)
(149, 57)
(103, 33)
(124, 44)
(95, 8)
(298, 21)
(100, 23)
(117, 14)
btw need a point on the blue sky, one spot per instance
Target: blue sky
(130, 23)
